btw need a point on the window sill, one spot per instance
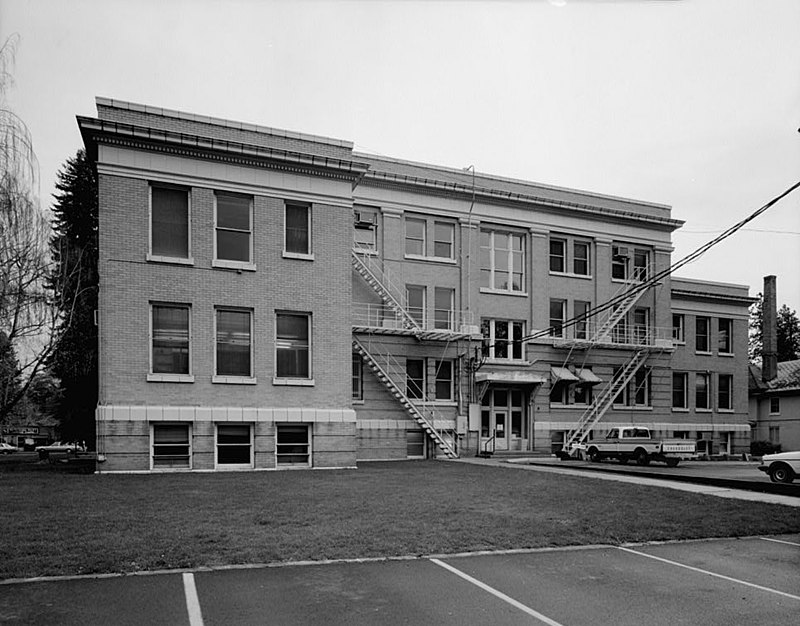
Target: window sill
(170, 378)
(438, 403)
(679, 410)
(358, 402)
(627, 280)
(300, 256)
(727, 355)
(430, 259)
(726, 411)
(504, 292)
(234, 265)
(699, 410)
(365, 251)
(571, 275)
(494, 361)
(704, 352)
(293, 382)
(234, 380)
(632, 408)
(233, 467)
(678, 342)
(154, 258)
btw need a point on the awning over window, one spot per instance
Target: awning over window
(588, 377)
(563, 374)
(509, 378)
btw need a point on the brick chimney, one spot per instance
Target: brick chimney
(769, 330)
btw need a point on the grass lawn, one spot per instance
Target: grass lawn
(53, 524)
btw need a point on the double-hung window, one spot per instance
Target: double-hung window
(415, 378)
(725, 392)
(443, 240)
(680, 399)
(293, 345)
(234, 229)
(443, 308)
(169, 223)
(701, 337)
(293, 445)
(502, 339)
(171, 334)
(557, 308)
(619, 262)
(580, 258)
(641, 260)
(444, 380)
(415, 303)
(365, 229)
(358, 377)
(641, 319)
(724, 338)
(702, 391)
(678, 322)
(415, 236)
(234, 339)
(234, 445)
(581, 325)
(502, 261)
(171, 446)
(298, 230)
(558, 255)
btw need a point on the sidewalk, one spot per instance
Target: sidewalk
(576, 468)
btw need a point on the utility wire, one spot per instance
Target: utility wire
(663, 273)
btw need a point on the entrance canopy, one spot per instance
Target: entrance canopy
(509, 378)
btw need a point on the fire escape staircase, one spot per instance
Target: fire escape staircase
(376, 278)
(397, 391)
(618, 313)
(595, 412)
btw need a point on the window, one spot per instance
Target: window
(725, 335)
(415, 303)
(557, 318)
(415, 236)
(637, 391)
(774, 406)
(701, 391)
(583, 390)
(415, 378)
(415, 444)
(701, 334)
(444, 380)
(170, 337)
(775, 434)
(443, 308)
(171, 446)
(502, 339)
(558, 251)
(234, 343)
(581, 311)
(641, 260)
(641, 317)
(502, 261)
(293, 445)
(559, 392)
(680, 398)
(365, 229)
(234, 220)
(725, 392)
(580, 258)
(234, 445)
(678, 327)
(358, 377)
(169, 225)
(292, 345)
(518, 426)
(619, 262)
(680, 434)
(298, 229)
(443, 239)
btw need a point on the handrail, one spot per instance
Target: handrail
(490, 440)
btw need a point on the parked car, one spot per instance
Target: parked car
(7, 448)
(783, 467)
(59, 446)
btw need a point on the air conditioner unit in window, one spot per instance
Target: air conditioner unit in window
(621, 251)
(366, 219)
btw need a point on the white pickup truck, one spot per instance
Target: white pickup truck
(635, 443)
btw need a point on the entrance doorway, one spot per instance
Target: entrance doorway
(503, 424)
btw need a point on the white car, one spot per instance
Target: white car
(782, 467)
(59, 446)
(6, 448)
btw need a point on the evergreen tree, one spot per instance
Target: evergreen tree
(74, 249)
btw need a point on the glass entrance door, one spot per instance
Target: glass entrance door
(502, 420)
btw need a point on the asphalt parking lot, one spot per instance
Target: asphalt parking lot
(730, 581)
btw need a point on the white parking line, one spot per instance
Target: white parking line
(703, 571)
(192, 601)
(496, 593)
(788, 543)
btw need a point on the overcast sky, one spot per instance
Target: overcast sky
(691, 103)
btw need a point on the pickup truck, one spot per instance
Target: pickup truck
(636, 443)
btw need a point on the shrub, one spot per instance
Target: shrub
(760, 448)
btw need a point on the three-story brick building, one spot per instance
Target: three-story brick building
(273, 299)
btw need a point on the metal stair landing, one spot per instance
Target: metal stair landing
(434, 435)
(380, 284)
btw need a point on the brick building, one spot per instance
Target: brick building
(273, 299)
